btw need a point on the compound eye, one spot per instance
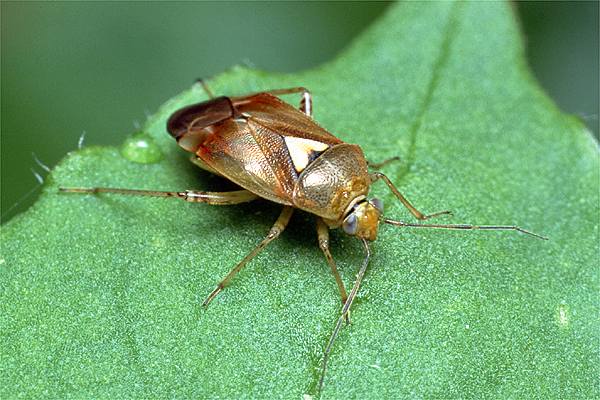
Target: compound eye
(350, 224)
(378, 204)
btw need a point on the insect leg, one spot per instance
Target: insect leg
(323, 234)
(193, 196)
(418, 214)
(305, 102)
(382, 163)
(465, 227)
(206, 88)
(275, 231)
(345, 311)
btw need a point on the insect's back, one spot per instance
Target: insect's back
(264, 145)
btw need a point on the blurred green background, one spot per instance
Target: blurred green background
(100, 68)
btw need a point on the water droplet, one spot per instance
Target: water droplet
(141, 148)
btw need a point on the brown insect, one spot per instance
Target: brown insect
(276, 152)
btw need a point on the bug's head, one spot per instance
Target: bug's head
(363, 219)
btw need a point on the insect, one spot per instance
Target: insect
(277, 152)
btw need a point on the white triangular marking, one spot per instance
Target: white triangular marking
(300, 150)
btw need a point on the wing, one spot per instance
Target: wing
(254, 158)
(280, 117)
(257, 141)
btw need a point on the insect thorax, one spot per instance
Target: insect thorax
(332, 181)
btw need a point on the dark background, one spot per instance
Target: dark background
(101, 67)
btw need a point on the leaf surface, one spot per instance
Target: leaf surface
(101, 294)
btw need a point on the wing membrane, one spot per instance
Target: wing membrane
(278, 116)
(256, 160)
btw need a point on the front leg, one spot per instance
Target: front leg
(382, 163)
(323, 235)
(418, 214)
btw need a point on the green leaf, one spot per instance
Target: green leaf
(101, 294)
